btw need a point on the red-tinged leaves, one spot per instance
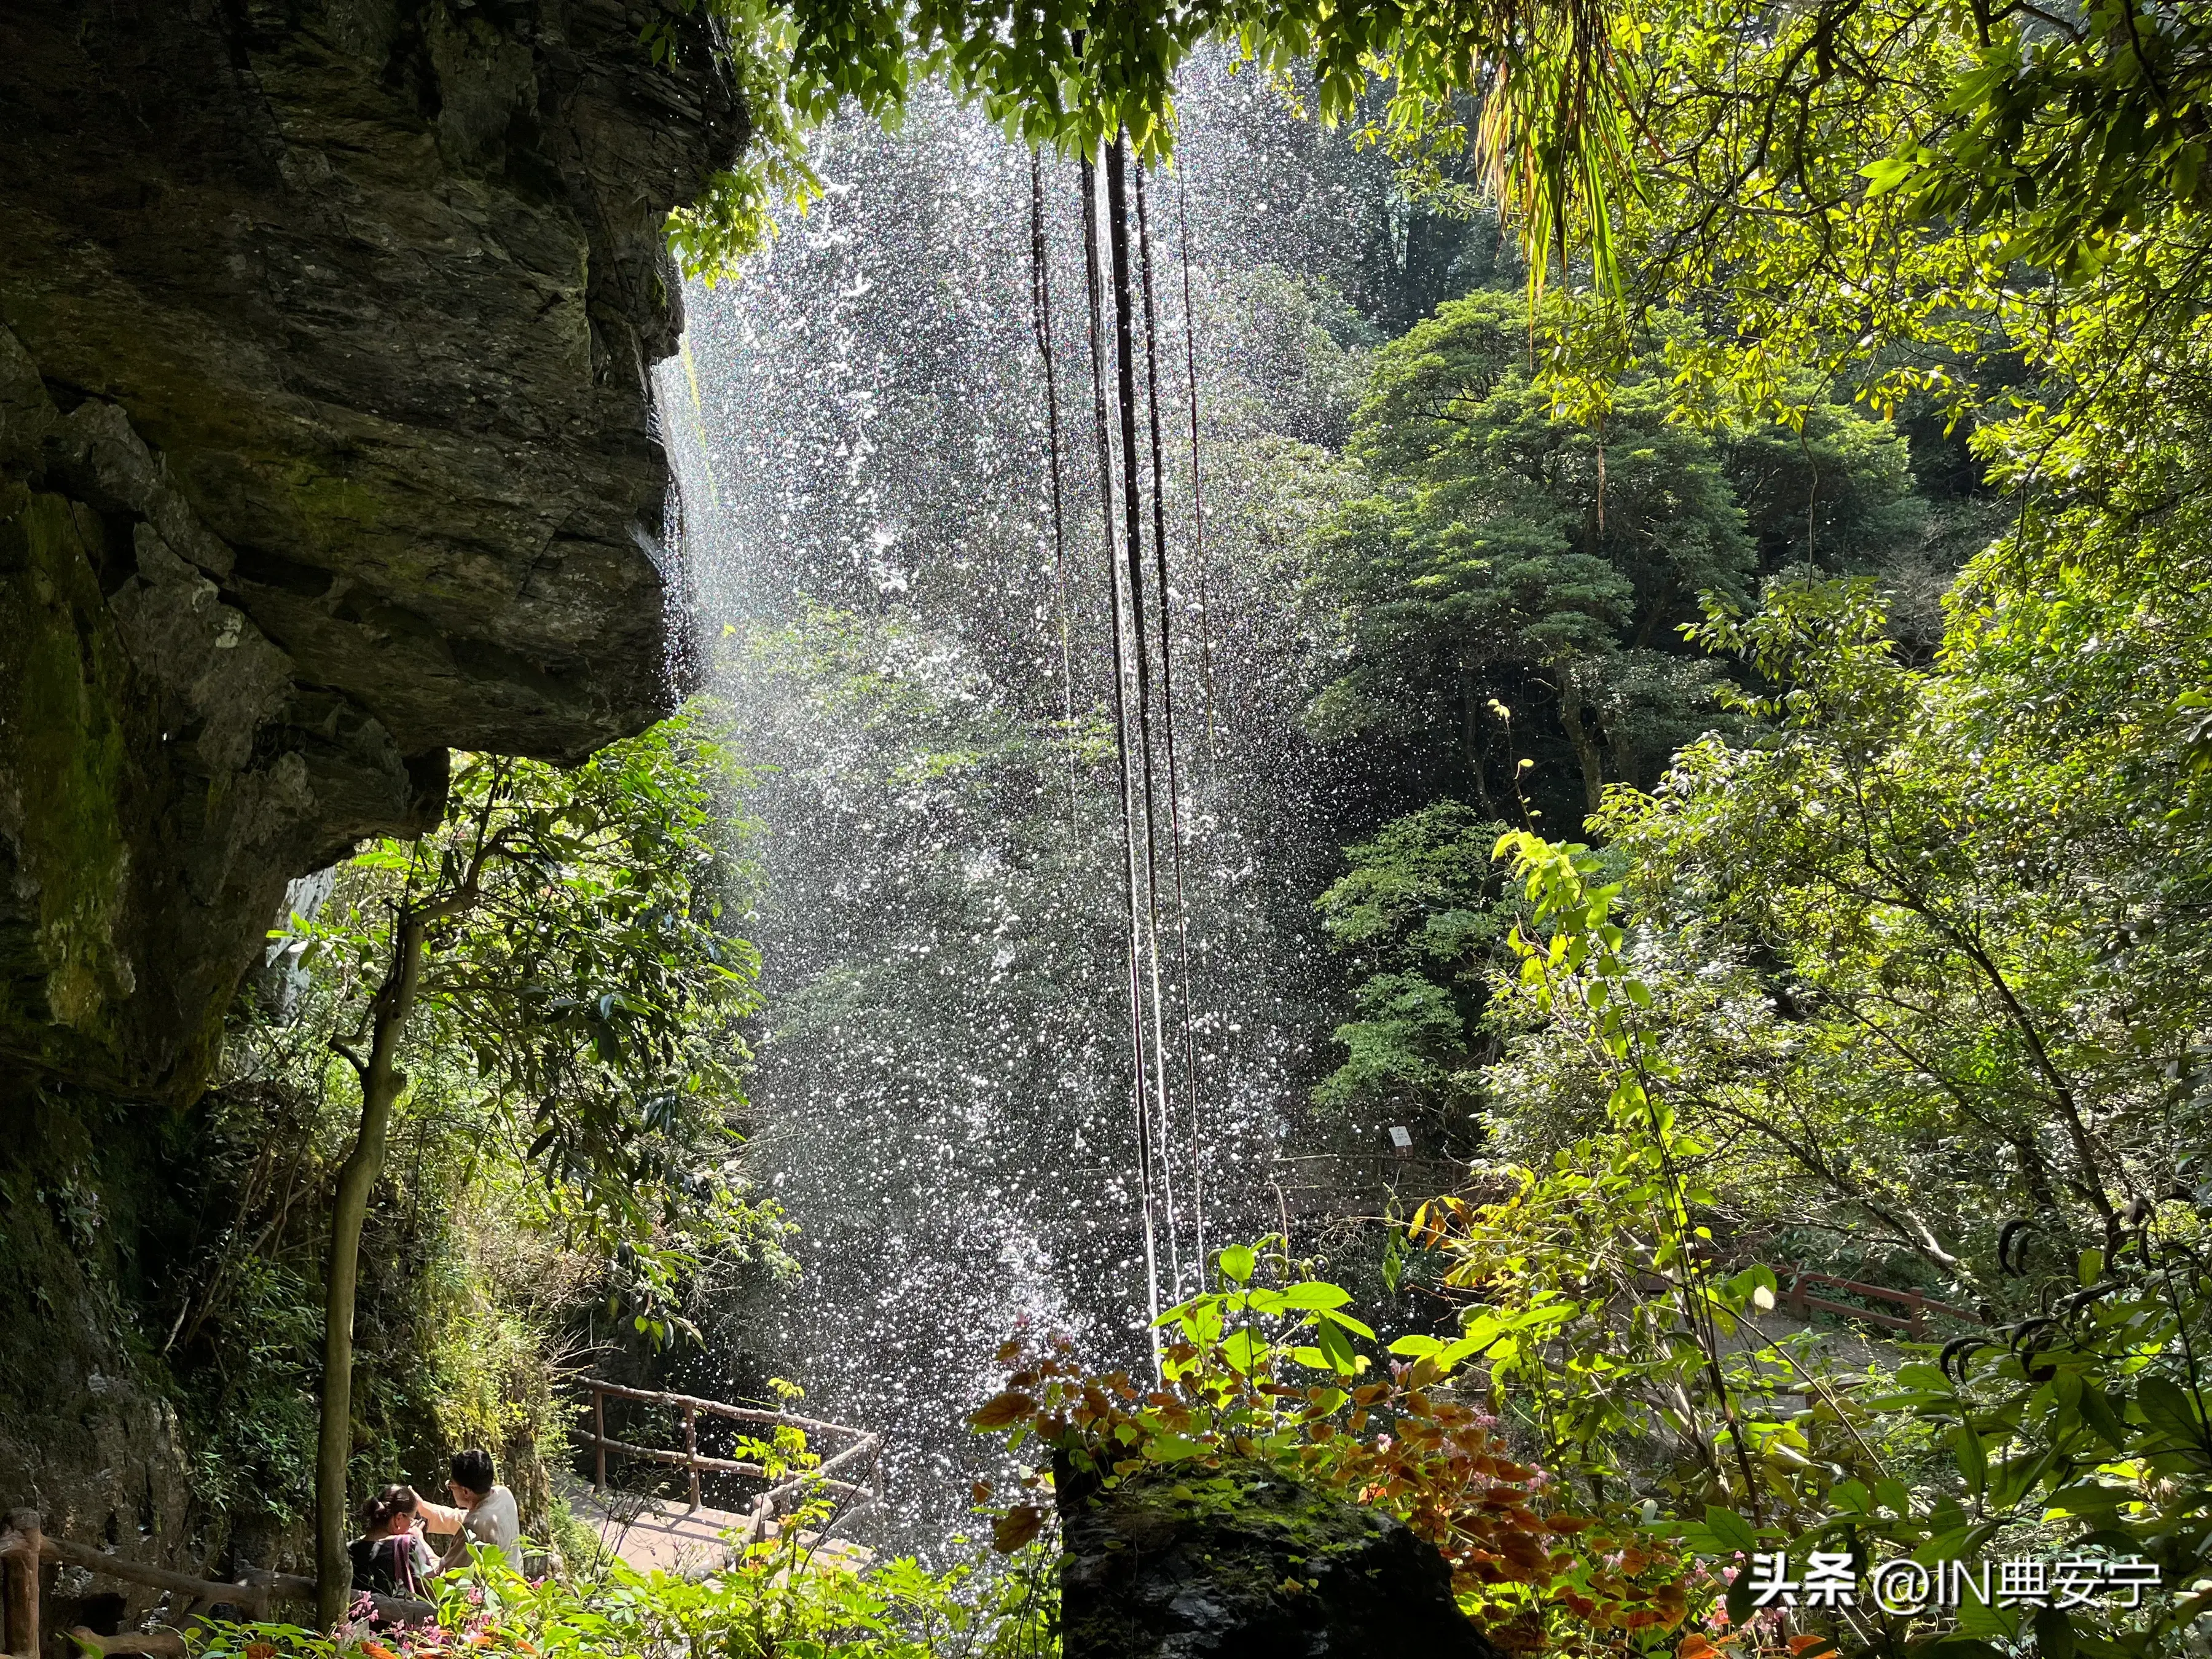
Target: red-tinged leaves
(1003, 1411)
(1386, 1444)
(980, 1492)
(1015, 1528)
(1810, 1647)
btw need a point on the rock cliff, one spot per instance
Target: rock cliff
(326, 444)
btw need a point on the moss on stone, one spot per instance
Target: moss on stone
(1248, 1561)
(64, 677)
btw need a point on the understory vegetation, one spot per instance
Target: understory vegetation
(559, 1178)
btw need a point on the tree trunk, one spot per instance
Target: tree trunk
(1580, 737)
(381, 1083)
(1475, 738)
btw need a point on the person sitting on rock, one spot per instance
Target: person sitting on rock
(392, 1558)
(483, 1514)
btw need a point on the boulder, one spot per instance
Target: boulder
(1249, 1564)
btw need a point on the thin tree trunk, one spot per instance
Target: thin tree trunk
(1580, 737)
(1475, 738)
(381, 1080)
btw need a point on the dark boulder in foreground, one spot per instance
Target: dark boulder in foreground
(1248, 1565)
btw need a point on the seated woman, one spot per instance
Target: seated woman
(483, 1514)
(392, 1559)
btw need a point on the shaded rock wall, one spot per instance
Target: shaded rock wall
(325, 446)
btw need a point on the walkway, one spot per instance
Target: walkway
(691, 1539)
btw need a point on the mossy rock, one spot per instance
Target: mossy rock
(1248, 1563)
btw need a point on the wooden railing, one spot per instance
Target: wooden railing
(1913, 1321)
(860, 1453)
(24, 1546)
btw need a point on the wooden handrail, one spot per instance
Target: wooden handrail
(871, 1442)
(1916, 1305)
(715, 1407)
(137, 1572)
(1887, 1293)
(21, 1545)
(680, 1460)
(296, 1587)
(866, 1443)
(158, 1643)
(689, 1460)
(24, 1542)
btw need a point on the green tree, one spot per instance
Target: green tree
(1507, 551)
(568, 926)
(1418, 923)
(1073, 76)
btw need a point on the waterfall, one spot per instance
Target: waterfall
(944, 1097)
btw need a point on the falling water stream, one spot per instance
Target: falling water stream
(897, 637)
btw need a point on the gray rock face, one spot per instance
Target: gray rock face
(326, 445)
(1161, 1567)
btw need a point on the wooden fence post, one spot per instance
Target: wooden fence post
(691, 1449)
(22, 1584)
(599, 1435)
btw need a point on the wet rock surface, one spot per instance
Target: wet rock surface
(1169, 1567)
(326, 445)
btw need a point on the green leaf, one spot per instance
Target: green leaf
(1972, 1457)
(1244, 1351)
(1885, 175)
(1172, 1448)
(1331, 1316)
(1739, 1599)
(1333, 1345)
(1238, 1262)
(2168, 1409)
(1732, 1531)
(1977, 1618)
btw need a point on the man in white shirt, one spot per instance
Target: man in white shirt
(483, 1512)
